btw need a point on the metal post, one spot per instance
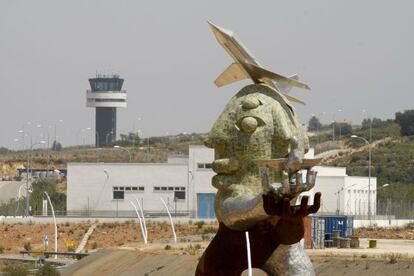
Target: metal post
(122, 148)
(369, 184)
(142, 215)
(171, 221)
(54, 221)
(249, 259)
(143, 230)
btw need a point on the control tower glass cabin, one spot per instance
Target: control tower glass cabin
(106, 95)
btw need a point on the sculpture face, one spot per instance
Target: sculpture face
(256, 124)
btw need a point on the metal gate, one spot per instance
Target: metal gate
(205, 206)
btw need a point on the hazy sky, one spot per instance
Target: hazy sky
(354, 54)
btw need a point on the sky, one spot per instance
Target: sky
(356, 56)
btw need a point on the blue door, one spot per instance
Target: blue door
(205, 206)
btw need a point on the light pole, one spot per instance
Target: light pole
(54, 221)
(369, 174)
(86, 129)
(133, 131)
(129, 153)
(97, 143)
(22, 131)
(340, 122)
(48, 141)
(29, 164)
(60, 121)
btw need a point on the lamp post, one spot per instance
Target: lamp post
(22, 131)
(83, 138)
(45, 130)
(369, 174)
(60, 121)
(29, 164)
(54, 221)
(97, 143)
(129, 153)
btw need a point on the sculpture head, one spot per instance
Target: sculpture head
(257, 123)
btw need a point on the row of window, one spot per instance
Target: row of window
(129, 188)
(204, 165)
(107, 100)
(168, 188)
(117, 194)
(361, 191)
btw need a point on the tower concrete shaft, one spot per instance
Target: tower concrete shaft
(106, 95)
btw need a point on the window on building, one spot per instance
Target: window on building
(135, 188)
(127, 188)
(115, 188)
(167, 188)
(118, 194)
(204, 165)
(122, 188)
(141, 188)
(179, 195)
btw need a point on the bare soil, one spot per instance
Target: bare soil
(13, 236)
(405, 233)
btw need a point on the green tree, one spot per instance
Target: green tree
(406, 122)
(314, 124)
(37, 195)
(376, 122)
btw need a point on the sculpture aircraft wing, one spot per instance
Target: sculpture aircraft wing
(246, 66)
(232, 74)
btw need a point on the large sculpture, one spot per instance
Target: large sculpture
(259, 148)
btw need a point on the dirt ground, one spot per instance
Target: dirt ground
(121, 249)
(405, 233)
(13, 236)
(156, 261)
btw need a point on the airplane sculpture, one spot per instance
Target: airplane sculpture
(245, 66)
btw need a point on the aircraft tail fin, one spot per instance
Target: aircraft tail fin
(232, 74)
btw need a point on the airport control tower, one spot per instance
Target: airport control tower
(106, 96)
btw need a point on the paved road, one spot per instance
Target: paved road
(384, 246)
(10, 189)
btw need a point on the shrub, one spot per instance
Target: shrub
(167, 247)
(13, 269)
(27, 246)
(199, 224)
(209, 230)
(94, 245)
(47, 270)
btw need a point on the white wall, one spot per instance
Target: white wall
(355, 195)
(87, 182)
(382, 223)
(199, 178)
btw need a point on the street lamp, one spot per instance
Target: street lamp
(54, 221)
(369, 173)
(29, 164)
(129, 153)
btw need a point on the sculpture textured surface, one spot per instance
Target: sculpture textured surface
(258, 124)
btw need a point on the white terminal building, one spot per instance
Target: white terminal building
(184, 183)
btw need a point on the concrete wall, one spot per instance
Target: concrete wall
(199, 178)
(382, 223)
(356, 193)
(10, 189)
(89, 187)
